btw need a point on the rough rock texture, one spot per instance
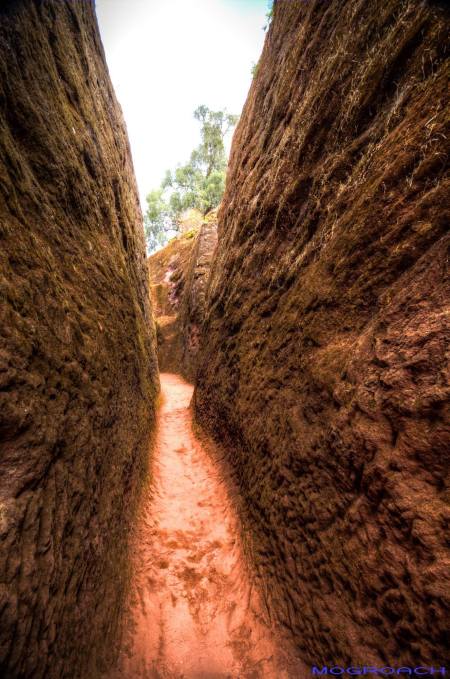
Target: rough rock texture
(77, 360)
(179, 275)
(324, 365)
(167, 271)
(192, 311)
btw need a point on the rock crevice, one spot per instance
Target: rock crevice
(179, 275)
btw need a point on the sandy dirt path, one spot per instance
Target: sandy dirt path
(195, 615)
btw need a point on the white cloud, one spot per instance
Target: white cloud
(166, 57)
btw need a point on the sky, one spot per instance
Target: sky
(166, 58)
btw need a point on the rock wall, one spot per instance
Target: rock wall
(167, 272)
(192, 312)
(78, 371)
(179, 275)
(324, 365)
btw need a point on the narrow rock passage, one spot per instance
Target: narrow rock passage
(195, 615)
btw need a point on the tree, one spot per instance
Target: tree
(269, 15)
(156, 220)
(199, 183)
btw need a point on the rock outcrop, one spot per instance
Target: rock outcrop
(324, 363)
(78, 369)
(179, 275)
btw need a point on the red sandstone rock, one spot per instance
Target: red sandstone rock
(77, 360)
(324, 367)
(179, 275)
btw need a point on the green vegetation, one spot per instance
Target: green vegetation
(269, 15)
(190, 234)
(198, 184)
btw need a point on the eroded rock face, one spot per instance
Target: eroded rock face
(179, 275)
(77, 360)
(324, 364)
(192, 312)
